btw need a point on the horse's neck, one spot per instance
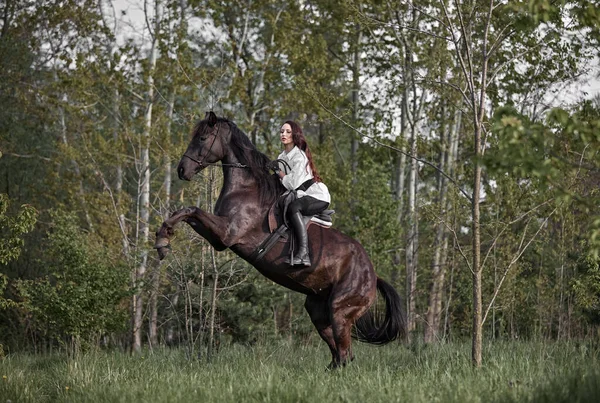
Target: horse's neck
(235, 181)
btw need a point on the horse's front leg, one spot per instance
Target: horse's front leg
(213, 228)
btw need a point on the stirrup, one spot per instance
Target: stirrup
(296, 261)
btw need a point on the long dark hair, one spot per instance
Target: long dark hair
(300, 142)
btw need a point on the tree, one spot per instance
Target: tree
(79, 297)
(12, 230)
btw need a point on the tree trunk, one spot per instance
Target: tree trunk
(119, 174)
(412, 237)
(476, 267)
(438, 265)
(411, 115)
(213, 308)
(156, 275)
(475, 77)
(434, 301)
(144, 196)
(201, 318)
(355, 101)
(173, 322)
(63, 136)
(447, 329)
(213, 302)
(561, 281)
(400, 173)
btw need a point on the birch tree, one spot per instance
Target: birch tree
(144, 171)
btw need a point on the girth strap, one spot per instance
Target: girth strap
(267, 244)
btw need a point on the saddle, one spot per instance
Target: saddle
(278, 214)
(280, 228)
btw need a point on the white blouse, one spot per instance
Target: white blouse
(300, 173)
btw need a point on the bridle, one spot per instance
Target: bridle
(214, 133)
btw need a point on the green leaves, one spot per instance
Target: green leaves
(586, 286)
(557, 157)
(81, 293)
(13, 228)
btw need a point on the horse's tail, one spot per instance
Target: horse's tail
(377, 327)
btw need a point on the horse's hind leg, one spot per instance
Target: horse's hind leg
(346, 307)
(318, 310)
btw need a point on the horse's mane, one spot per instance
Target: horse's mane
(269, 185)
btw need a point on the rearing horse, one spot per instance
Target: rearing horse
(341, 284)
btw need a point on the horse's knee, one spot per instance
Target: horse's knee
(184, 212)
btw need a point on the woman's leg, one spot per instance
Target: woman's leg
(306, 205)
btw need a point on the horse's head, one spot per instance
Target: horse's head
(208, 145)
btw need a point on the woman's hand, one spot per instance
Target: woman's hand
(274, 166)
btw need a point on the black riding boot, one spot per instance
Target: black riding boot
(301, 257)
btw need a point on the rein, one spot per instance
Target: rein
(236, 165)
(215, 133)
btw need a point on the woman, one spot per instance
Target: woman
(312, 194)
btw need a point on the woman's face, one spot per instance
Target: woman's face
(285, 134)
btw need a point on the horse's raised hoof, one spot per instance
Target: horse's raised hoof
(161, 243)
(162, 246)
(162, 252)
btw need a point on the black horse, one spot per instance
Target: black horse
(341, 284)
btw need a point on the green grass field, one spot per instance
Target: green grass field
(512, 371)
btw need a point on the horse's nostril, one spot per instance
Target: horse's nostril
(180, 172)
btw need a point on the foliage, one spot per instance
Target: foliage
(563, 163)
(249, 313)
(12, 230)
(365, 209)
(586, 287)
(80, 296)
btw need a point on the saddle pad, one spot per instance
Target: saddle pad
(273, 225)
(320, 222)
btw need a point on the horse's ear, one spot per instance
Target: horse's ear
(211, 117)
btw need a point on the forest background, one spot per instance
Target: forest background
(456, 138)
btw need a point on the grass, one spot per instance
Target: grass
(512, 372)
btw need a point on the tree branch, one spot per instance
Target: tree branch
(454, 182)
(512, 262)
